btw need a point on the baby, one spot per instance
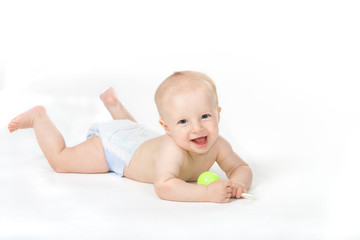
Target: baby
(189, 113)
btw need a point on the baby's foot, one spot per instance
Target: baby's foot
(114, 106)
(109, 98)
(27, 119)
(111, 102)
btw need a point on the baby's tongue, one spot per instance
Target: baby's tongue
(200, 140)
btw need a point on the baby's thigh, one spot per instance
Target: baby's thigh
(87, 157)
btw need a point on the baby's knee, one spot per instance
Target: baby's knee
(58, 163)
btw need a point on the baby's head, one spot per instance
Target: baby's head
(180, 83)
(189, 111)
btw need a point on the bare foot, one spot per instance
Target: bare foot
(27, 119)
(109, 98)
(114, 106)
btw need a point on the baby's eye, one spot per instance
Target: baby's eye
(182, 121)
(205, 116)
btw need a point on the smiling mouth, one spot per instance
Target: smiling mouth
(200, 141)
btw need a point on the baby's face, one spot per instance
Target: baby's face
(191, 119)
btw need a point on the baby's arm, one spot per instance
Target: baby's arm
(235, 168)
(169, 186)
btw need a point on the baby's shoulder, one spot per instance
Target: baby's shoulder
(167, 144)
(168, 152)
(223, 146)
(222, 142)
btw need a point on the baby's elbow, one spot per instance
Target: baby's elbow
(163, 190)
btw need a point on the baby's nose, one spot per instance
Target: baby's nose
(197, 127)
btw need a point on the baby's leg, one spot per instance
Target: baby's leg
(87, 157)
(114, 106)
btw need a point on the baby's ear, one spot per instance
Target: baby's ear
(219, 110)
(166, 128)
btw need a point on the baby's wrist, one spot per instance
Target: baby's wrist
(206, 195)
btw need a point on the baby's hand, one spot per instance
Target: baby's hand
(219, 191)
(237, 190)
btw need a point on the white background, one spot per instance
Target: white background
(287, 74)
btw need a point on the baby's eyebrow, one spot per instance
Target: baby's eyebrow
(181, 118)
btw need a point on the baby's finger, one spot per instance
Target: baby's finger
(239, 192)
(233, 191)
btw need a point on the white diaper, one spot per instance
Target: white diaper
(120, 138)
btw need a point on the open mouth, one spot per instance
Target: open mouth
(200, 141)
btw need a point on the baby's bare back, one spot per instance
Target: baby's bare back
(141, 167)
(142, 164)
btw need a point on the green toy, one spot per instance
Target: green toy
(207, 177)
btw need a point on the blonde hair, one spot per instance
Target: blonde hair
(183, 81)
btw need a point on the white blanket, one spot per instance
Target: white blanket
(305, 182)
(287, 75)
